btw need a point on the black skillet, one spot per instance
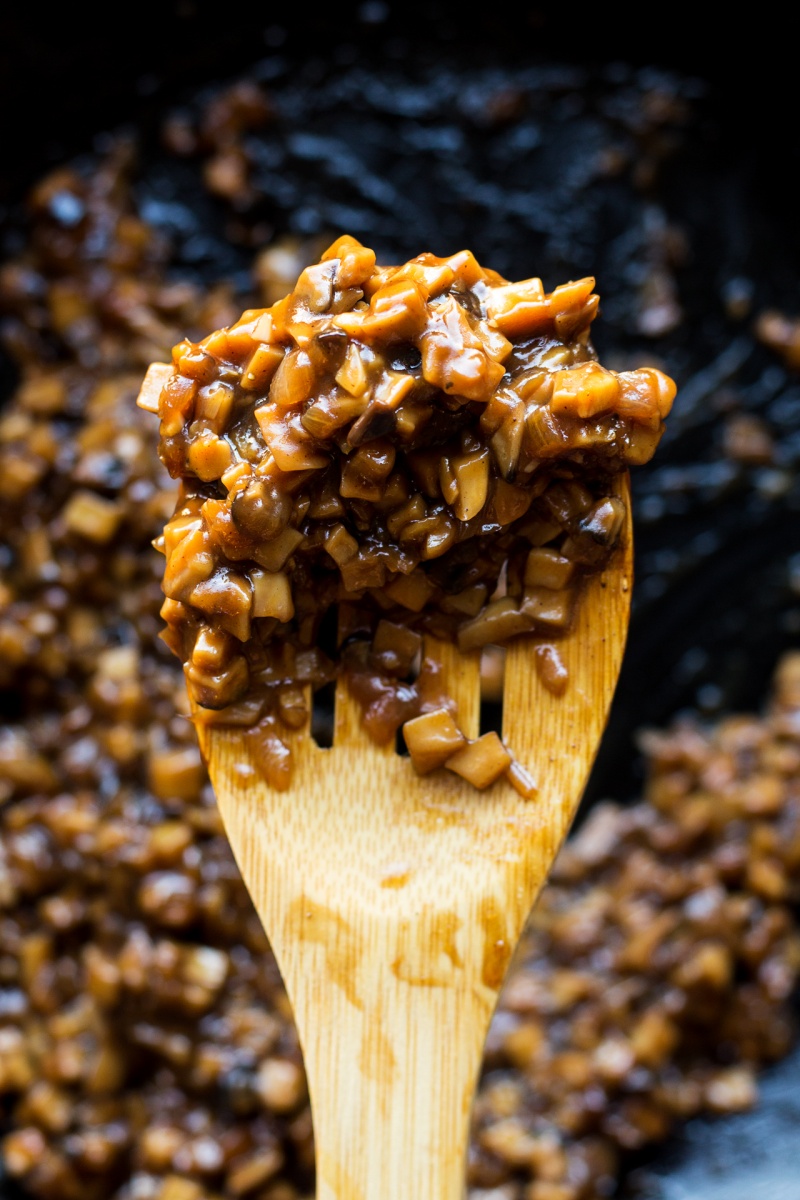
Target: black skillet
(415, 128)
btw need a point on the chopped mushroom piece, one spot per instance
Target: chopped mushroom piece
(432, 739)
(481, 762)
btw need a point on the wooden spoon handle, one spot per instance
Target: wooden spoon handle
(392, 1052)
(393, 903)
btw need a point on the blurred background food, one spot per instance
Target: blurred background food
(146, 1046)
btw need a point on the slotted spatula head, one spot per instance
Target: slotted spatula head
(394, 902)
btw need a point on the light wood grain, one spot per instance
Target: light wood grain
(394, 903)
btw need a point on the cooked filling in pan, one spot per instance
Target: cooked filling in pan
(147, 1050)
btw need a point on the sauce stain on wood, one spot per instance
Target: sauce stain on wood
(377, 1062)
(396, 876)
(428, 954)
(497, 945)
(309, 922)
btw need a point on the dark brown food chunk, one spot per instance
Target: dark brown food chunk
(426, 447)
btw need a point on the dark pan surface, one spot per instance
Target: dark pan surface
(389, 135)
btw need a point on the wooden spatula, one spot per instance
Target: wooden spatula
(394, 902)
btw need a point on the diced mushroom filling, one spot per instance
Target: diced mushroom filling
(397, 453)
